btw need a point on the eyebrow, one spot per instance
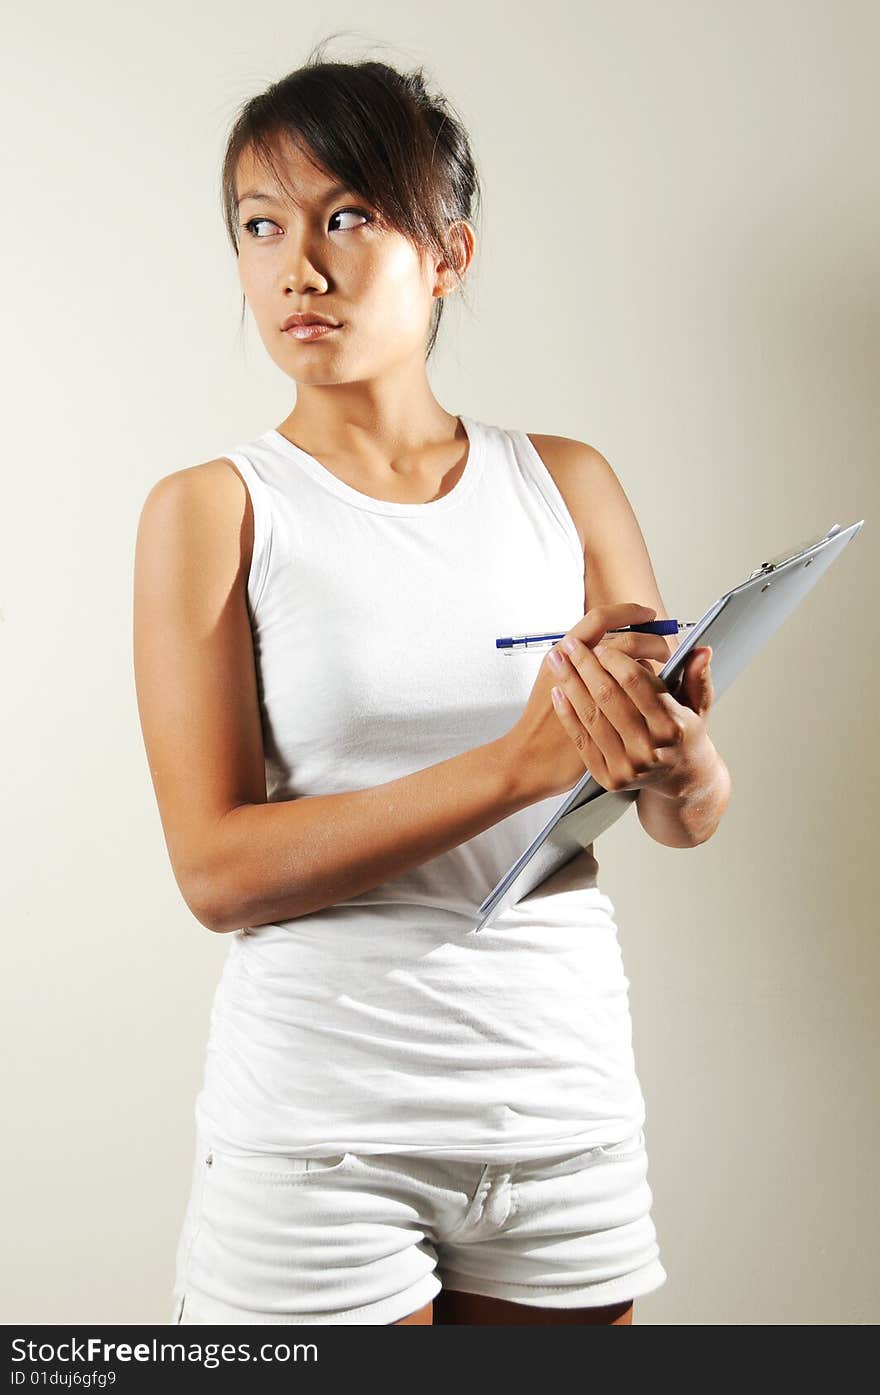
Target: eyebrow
(263, 197)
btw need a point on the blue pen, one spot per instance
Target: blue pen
(514, 644)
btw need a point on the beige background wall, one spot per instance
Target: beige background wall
(679, 265)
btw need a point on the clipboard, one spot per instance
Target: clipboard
(737, 626)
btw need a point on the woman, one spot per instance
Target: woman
(401, 1120)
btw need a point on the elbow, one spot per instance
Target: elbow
(208, 899)
(205, 909)
(218, 910)
(223, 921)
(214, 882)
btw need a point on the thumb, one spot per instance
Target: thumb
(702, 678)
(697, 683)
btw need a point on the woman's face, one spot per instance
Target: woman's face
(325, 255)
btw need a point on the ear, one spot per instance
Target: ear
(452, 266)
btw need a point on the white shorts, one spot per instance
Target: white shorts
(370, 1238)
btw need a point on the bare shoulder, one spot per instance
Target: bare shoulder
(617, 564)
(209, 498)
(219, 470)
(212, 480)
(574, 467)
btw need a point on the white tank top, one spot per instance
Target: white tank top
(386, 1023)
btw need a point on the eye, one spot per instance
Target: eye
(361, 211)
(252, 223)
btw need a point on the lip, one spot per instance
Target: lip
(306, 332)
(301, 319)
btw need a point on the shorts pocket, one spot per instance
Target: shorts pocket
(631, 1146)
(634, 1144)
(279, 1167)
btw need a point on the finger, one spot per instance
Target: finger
(587, 704)
(600, 618)
(638, 646)
(697, 692)
(590, 754)
(709, 687)
(648, 692)
(626, 695)
(653, 657)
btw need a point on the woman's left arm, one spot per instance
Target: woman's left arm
(681, 800)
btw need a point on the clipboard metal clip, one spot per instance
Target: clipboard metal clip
(787, 556)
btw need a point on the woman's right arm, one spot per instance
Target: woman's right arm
(237, 859)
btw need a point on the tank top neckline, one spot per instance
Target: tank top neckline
(334, 485)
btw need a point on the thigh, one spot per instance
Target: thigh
(467, 1309)
(423, 1317)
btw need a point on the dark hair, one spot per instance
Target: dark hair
(378, 131)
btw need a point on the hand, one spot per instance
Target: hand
(543, 754)
(628, 729)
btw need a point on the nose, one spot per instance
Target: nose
(301, 271)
